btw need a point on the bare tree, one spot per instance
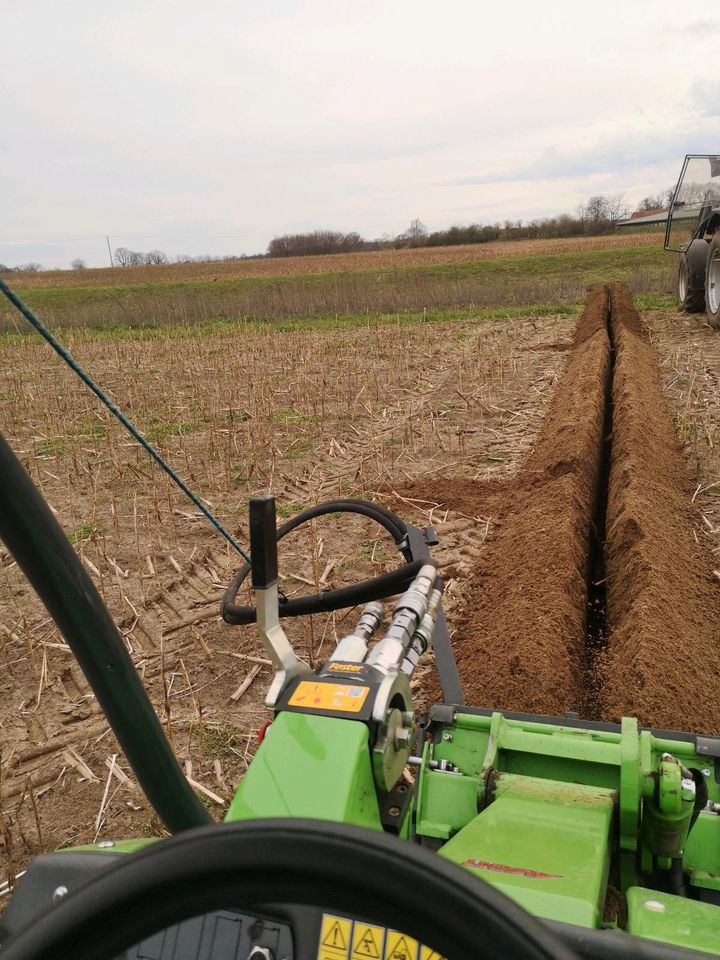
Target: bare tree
(416, 230)
(316, 242)
(596, 209)
(617, 207)
(123, 256)
(78, 264)
(156, 256)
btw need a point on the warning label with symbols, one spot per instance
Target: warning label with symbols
(335, 935)
(343, 939)
(341, 697)
(400, 947)
(367, 942)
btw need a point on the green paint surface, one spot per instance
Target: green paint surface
(310, 766)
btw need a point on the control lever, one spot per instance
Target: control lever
(263, 547)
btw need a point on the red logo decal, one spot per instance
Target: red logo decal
(515, 871)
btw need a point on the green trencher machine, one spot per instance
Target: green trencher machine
(363, 830)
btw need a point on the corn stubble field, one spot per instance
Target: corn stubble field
(390, 407)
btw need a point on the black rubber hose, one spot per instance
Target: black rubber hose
(385, 585)
(701, 795)
(43, 552)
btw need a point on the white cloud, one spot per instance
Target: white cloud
(705, 95)
(211, 127)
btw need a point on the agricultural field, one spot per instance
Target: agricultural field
(335, 263)
(394, 285)
(470, 394)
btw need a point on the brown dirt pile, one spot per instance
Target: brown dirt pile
(521, 643)
(662, 661)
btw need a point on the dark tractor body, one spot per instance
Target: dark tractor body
(693, 231)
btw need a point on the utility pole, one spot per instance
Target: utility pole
(109, 251)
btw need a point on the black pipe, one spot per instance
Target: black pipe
(48, 560)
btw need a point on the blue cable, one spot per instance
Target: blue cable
(116, 412)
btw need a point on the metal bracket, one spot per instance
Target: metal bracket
(418, 541)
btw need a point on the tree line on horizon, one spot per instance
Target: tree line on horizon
(597, 217)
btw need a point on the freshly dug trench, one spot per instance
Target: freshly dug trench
(521, 642)
(662, 662)
(607, 469)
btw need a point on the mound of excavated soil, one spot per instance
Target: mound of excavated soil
(521, 643)
(662, 662)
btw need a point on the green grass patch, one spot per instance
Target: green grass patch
(287, 510)
(594, 263)
(220, 742)
(160, 432)
(52, 446)
(226, 327)
(656, 301)
(331, 301)
(289, 415)
(86, 531)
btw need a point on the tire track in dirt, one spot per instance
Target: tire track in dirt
(594, 594)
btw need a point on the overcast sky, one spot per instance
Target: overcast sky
(212, 126)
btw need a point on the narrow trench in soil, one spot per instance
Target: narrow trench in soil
(597, 625)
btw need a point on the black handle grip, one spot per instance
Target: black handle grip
(263, 541)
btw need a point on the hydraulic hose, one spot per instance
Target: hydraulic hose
(385, 585)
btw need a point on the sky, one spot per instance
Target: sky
(210, 127)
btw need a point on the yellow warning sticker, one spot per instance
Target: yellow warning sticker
(342, 697)
(400, 947)
(367, 942)
(427, 953)
(343, 939)
(335, 936)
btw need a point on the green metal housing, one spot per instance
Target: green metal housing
(577, 824)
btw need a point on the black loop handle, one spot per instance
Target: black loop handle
(378, 588)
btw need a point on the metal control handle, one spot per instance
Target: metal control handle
(263, 548)
(263, 541)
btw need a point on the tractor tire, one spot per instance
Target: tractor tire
(691, 277)
(712, 283)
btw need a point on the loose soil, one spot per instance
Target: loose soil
(663, 652)
(521, 645)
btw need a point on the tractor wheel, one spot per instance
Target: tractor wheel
(712, 283)
(691, 277)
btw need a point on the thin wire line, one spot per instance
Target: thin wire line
(116, 412)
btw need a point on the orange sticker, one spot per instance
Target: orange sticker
(341, 697)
